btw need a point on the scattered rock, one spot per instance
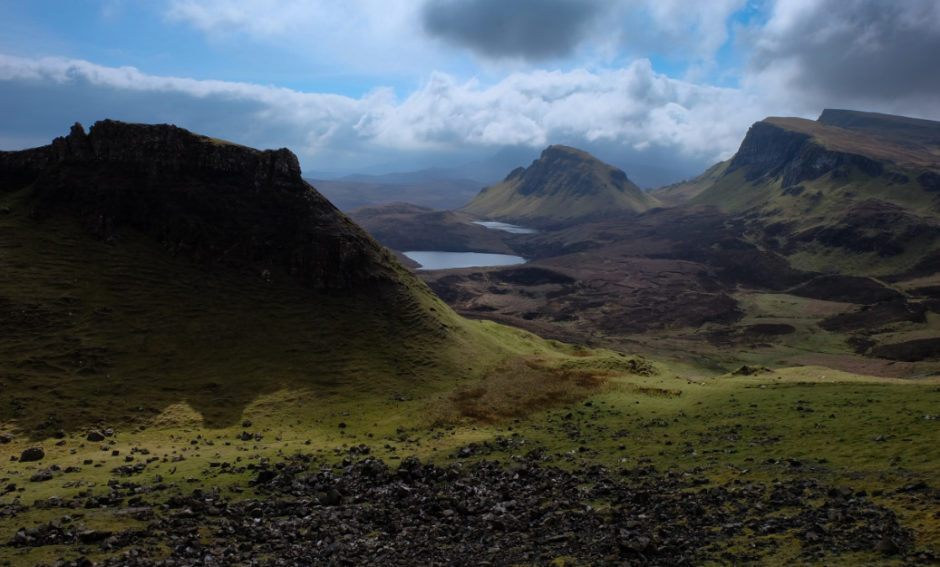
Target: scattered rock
(483, 513)
(95, 436)
(34, 453)
(746, 370)
(42, 475)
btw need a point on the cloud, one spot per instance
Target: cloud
(601, 31)
(870, 53)
(626, 110)
(354, 36)
(534, 30)
(691, 31)
(631, 107)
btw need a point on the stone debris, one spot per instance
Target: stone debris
(522, 512)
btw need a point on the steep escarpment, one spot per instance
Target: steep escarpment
(785, 164)
(212, 201)
(564, 185)
(853, 191)
(785, 148)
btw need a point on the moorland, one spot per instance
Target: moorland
(203, 361)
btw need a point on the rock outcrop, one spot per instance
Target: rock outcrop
(774, 148)
(212, 201)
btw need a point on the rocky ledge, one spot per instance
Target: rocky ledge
(210, 200)
(772, 150)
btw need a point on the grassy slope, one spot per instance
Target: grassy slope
(686, 190)
(105, 333)
(892, 147)
(822, 202)
(177, 360)
(842, 429)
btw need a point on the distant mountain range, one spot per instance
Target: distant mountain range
(439, 188)
(843, 209)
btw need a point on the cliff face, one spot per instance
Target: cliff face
(852, 190)
(771, 149)
(212, 201)
(564, 184)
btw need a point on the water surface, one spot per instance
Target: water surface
(513, 228)
(446, 260)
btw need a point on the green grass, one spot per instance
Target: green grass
(115, 332)
(842, 429)
(181, 361)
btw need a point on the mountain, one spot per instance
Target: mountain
(853, 191)
(211, 201)
(146, 266)
(563, 185)
(844, 156)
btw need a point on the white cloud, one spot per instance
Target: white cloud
(632, 107)
(361, 36)
(382, 36)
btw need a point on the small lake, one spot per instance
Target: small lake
(448, 260)
(513, 228)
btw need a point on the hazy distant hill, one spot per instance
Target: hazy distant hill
(443, 188)
(443, 194)
(562, 186)
(403, 227)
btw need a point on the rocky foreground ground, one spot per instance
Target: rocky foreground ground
(524, 511)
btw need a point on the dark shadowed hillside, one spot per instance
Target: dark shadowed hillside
(146, 265)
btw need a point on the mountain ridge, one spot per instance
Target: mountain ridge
(216, 202)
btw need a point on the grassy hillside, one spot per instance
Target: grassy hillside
(685, 190)
(107, 333)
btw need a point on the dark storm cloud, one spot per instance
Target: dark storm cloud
(529, 29)
(858, 49)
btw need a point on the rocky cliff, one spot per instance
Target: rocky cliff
(786, 148)
(212, 201)
(819, 191)
(564, 185)
(841, 158)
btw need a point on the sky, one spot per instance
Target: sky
(661, 88)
